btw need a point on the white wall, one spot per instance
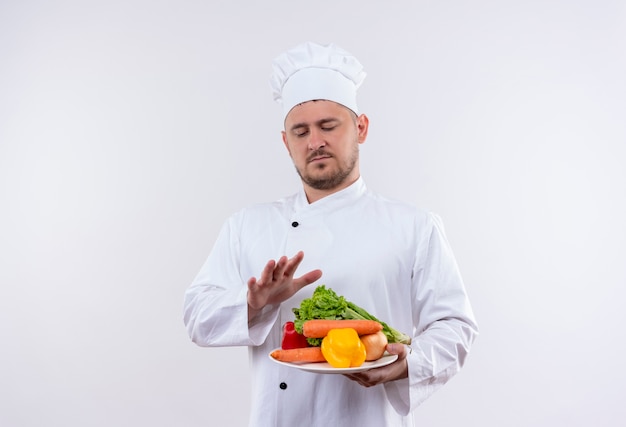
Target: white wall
(129, 130)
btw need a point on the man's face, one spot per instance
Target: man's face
(323, 139)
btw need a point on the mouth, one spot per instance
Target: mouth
(318, 157)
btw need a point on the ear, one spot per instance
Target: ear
(362, 125)
(284, 135)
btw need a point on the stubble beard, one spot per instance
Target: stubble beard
(329, 179)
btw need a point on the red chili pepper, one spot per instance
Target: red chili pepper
(291, 338)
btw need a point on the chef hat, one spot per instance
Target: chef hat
(311, 71)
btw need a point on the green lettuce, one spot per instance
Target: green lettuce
(326, 304)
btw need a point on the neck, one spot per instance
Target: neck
(314, 194)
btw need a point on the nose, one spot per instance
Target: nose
(316, 140)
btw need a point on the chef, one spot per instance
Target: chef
(384, 255)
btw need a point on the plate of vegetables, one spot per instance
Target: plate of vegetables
(332, 335)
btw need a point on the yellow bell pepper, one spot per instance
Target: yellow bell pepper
(342, 348)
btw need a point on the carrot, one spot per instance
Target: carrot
(318, 328)
(299, 355)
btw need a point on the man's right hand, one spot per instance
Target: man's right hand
(277, 283)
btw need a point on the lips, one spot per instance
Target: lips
(318, 156)
(315, 159)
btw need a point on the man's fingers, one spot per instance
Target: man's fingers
(268, 272)
(399, 349)
(276, 282)
(308, 278)
(279, 269)
(251, 282)
(285, 268)
(293, 263)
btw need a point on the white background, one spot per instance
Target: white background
(130, 130)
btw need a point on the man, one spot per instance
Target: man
(385, 256)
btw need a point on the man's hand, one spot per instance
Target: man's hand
(277, 284)
(394, 371)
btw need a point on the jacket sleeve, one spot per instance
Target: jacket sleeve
(215, 304)
(444, 324)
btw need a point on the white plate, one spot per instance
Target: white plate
(326, 368)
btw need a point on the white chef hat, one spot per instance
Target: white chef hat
(311, 72)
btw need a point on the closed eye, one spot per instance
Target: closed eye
(328, 124)
(300, 130)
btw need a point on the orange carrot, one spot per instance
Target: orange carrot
(318, 328)
(299, 355)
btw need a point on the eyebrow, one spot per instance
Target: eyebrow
(320, 122)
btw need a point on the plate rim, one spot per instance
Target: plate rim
(326, 368)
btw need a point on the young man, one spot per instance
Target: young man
(385, 256)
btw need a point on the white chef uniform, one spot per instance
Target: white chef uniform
(387, 257)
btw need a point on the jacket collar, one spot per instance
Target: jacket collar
(334, 201)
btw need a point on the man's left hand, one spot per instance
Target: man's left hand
(394, 371)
